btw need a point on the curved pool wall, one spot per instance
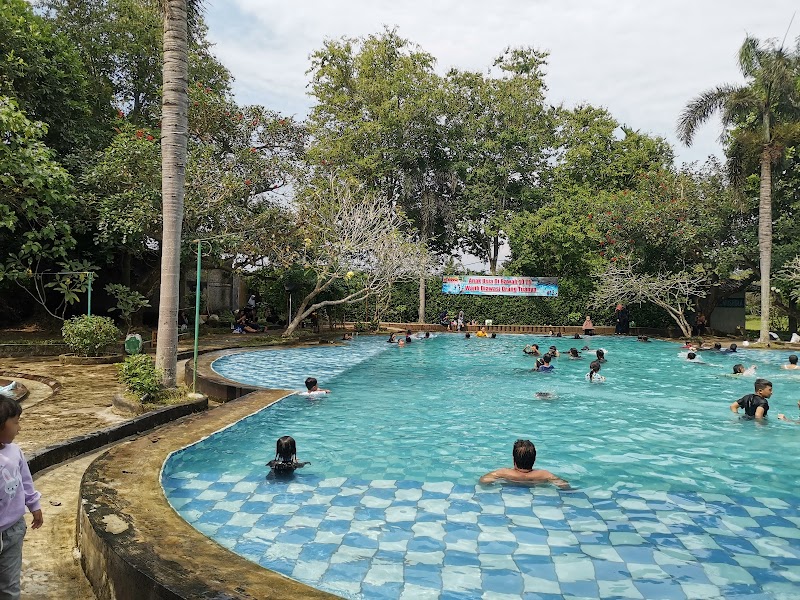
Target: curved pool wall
(662, 510)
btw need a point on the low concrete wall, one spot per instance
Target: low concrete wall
(58, 453)
(18, 350)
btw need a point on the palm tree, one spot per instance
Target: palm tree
(758, 115)
(174, 143)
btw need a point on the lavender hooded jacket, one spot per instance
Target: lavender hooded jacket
(16, 486)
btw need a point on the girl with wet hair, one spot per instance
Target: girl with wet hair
(593, 376)
(285, 461)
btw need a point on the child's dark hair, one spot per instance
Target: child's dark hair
(524, 454)
(594, 369)
(762, 383)
(546, 360)
(793, 359)
(286, 448)
(9, 408)
(310, 383)
(717, 346)
(691, 356)
(738, 368)
(467, 335)
(600, 354)
(494, 335)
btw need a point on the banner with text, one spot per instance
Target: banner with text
(491, 285)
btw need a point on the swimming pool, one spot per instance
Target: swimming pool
(677, 498)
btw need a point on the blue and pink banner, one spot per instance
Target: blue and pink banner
(495, 285)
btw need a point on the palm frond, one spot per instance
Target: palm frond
(751, 56)
(700, 109)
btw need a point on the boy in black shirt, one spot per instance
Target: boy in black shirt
(755, 405)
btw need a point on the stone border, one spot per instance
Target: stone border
(19, 393)
(214, 385)
(61, 452)
(134, 545)
(53, 384)
(74, 359)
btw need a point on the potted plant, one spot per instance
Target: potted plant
(89, 337)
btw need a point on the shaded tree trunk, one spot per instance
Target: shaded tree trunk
(422, 290)
(174, 141)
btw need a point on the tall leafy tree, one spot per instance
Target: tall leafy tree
(378, 120)
(760, 115)
(504, 137)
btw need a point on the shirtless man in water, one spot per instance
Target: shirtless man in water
(523, 471)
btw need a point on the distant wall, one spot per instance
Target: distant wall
(729, 314)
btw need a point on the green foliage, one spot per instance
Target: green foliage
(37, 197)
(42, 70)
(139, 376)
(128, 301)
(89, 335)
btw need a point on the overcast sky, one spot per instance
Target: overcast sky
(641, 60)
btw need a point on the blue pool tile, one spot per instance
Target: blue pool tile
(310, 510)
(222, 486)
(486, 499)
(455, 558)
(536, 565)
(382, 493)
(735, 545)
(742, 590)
(459, 532)
(504, 581)
(233, 532)
(606, 570)
(254, 507)
(347, 571)
(199, 505)
(408, 485)
(281, 565)
(370, 514)
(492, 520)
(526, 535)
(762, 576)
(296, 535)
(580, 589)
(463, 489)
(566, 551)
(460, 595)
(252, 549)
(552, 524)
(593, 537)
(429, 495)
(642, 555)
(236, 496)
(313, 551)
(397, 534)
(385, 591)
(496, 547)
(358, 540)
(423, 575)
(462, 506)
(713, 556)
(687, 573)
(334, 526)
(424, 516)
(272, 521)
(773, 521)
(621, 526)
(217, 517)
(425, 544)
(388, 556)
(660, 589)
(538, 596)
(346, 500)
(663, 540)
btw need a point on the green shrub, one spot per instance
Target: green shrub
(139, 376)
(89, 335)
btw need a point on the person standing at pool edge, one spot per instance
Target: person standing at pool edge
(755, 405)
(524, 454)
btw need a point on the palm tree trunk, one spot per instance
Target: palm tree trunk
(421, 314)
(765, 238)
(174, 140)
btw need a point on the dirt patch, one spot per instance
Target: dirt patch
(82, 406)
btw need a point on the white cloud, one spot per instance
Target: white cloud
(641, 60)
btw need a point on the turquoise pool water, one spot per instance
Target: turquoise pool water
(667, 476)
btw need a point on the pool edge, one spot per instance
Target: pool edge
(134, 545)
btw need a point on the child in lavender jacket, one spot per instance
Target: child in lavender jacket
(13, 500)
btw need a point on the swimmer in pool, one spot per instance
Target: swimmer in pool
(312, 389)
(601, 355)
(593, 376)
(755, 405)
(782, 417)
(285, 461)
(524, 454)
(739, 369)
(573, 353)
(554, 352)
(532, 349)
(392, 338)
(792, 363)
(545, 395)
(545, 367)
